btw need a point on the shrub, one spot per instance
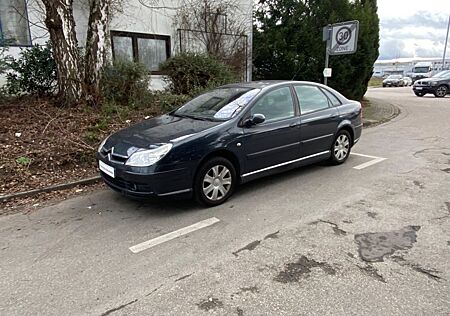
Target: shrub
(125, 82)
(5, 60)
(189, 73)
(34, 72)
(167, 102)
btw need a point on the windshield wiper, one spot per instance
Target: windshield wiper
(200, 118)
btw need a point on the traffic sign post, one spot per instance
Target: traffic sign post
(342, 39)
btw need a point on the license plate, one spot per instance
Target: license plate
(418, 88)
(110, 171)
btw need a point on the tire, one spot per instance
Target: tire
(215, 182)
(441, 91)
(341, 147)
(419, 94)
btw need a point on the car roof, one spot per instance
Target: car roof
(267, 84)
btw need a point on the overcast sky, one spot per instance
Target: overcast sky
(413, 28)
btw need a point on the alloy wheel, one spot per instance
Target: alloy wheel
(217, 183)
(441, 91)
(341, 147)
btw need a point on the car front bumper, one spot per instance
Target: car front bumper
(151, 184)
(424, 89)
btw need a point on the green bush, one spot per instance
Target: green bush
(167, 102)
(125, 82)
(34, 72)
(191, 73)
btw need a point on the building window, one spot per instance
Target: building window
(14, 28)
(148, 49)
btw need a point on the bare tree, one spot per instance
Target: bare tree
(97, 37)
(61, 26)
(216, 27)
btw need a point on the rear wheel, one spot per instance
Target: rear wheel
(340, 150)
(441, 91)
(215, 181)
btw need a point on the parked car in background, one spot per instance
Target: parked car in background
(439, 85)
(408, 81)
(231, 135)
(394, 81)
(423, 69)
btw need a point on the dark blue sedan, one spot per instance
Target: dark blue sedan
(231, 135)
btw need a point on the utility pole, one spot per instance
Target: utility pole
(446, 42)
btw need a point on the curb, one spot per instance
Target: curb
(372, 123)
(4, 198)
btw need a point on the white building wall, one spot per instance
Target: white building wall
(134, 18)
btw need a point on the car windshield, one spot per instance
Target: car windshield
(395, 77)
(421, 70)
(217, 105)
(442, 74)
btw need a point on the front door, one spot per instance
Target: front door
(275, 141)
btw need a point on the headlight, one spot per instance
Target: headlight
(147, 157)
(102, 144)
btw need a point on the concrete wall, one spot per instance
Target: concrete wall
(134, 17)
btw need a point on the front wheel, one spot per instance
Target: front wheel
(419, 94)
(340, 150)
(441, 91)
(215, 181)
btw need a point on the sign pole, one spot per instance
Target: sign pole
(446, 42)
(327, 60)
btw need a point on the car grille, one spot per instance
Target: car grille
(112, 156)
(123, 184)
(422, 84)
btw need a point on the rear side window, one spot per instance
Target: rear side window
(311, 99)
(333, 99)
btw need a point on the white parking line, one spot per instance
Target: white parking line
(175, 234)
(374, 161)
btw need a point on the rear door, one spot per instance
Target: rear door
(319, 119)
(277, 140)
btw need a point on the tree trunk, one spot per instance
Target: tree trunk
(96, 48)
(61, 26)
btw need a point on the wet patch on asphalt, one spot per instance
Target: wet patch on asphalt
(301, 268)
(251, 289)
(251, 246)
(112, 310)
(430, 273)
(371, 271)
(419, 184)
(372, 214)
(210, 303)
(447, 204)
(239, 311)
(183, 277)
(272, 236)
(335, 227)
(373, 247)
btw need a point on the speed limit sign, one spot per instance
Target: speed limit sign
(344, 38)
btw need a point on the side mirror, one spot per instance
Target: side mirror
(255, 119)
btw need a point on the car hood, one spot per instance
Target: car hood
(429, 80)
(162, 129)
(391, 80)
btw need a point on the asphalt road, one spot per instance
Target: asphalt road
(370, 237)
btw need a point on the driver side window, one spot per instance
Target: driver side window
(275, 105)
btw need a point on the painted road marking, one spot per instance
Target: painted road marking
(175, 234)
(372, 162)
